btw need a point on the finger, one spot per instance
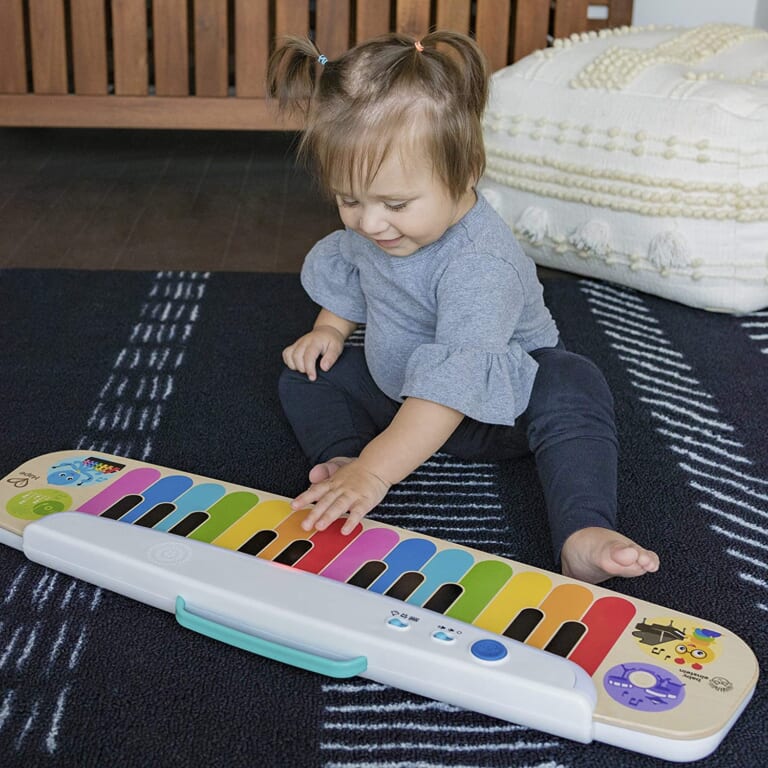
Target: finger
(308, 497)
(322, 514)
(329, 358)
(355, 518)
(332, 512)
(288, 357)
(296, 357)
(309, 361)
(321, 472)
(310, 521)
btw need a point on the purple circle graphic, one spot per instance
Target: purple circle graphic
(644, 687)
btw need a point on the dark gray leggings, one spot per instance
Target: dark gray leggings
(568, 426)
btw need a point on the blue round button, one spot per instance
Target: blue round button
(488, 650)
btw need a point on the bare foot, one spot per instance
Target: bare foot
(323, 471)
(596, 554)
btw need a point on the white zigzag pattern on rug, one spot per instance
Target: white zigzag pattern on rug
(707, 446)
(127, 413)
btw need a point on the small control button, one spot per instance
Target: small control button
(488, 650)
(443, 637)
(396, 623)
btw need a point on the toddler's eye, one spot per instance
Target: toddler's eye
(396, 206)
(347, 203)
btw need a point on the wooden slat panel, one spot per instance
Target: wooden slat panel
(619, 13)
(412, 17)
(332, 21)
(13, 76)
(492, 31)
(49, 47)
(47, 31)
(372, 19)
(89, 46)
(453, 15)
(193, 112)
(211, 48)
(251, 47)
(129, 45)
(570, 17)
(531, 27)
(596, 24)
(291, 17)
(170, 39)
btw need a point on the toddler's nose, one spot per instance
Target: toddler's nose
(372, 223)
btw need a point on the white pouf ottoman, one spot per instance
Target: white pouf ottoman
(640, 156)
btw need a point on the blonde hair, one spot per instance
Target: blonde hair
(362, 105)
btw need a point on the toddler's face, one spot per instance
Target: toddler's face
(406, 206)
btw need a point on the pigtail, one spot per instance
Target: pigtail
(291, 73)
(471, 65)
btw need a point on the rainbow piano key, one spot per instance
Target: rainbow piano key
(456, 582)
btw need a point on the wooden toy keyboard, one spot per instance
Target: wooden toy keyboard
(660, 676)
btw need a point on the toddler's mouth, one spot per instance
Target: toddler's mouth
(393, 243)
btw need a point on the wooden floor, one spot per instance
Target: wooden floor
(176, 200)
(90, 199)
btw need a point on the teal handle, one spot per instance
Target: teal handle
(267, 648)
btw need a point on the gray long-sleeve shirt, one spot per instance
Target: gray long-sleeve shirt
(452, 323)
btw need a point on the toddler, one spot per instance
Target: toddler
(461, 354)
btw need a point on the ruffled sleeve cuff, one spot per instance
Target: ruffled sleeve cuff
(332, 281)
(492, 387)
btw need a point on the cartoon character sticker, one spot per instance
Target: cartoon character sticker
(85, 471)
(688, 649)
(697, 649)
(644, 687)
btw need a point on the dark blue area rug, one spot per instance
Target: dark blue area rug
(180, 369)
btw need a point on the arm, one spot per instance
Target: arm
(324, 341)
(419, 428)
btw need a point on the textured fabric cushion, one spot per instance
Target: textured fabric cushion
(640, 156)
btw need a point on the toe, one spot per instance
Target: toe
(625, 555)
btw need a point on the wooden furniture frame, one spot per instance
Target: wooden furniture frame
(201, 63)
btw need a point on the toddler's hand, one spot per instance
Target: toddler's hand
(323, 341)
(352, 488)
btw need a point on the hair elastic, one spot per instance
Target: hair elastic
(419, 46)
(322, 59)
